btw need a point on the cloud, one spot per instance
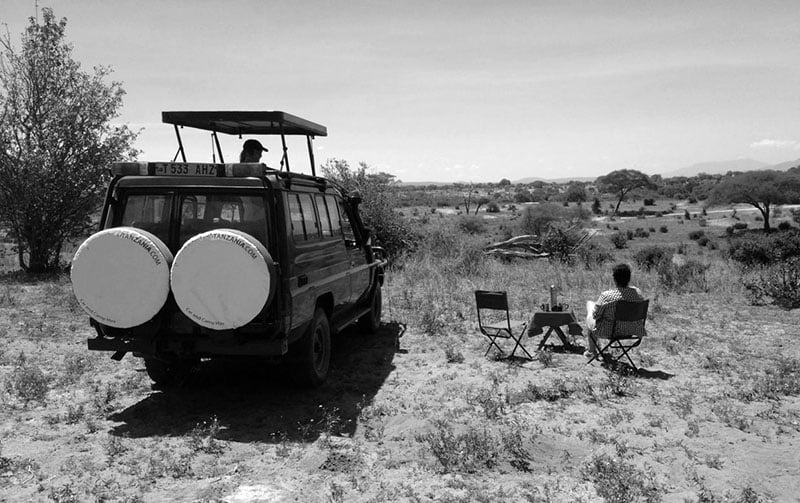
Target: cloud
(770, 143)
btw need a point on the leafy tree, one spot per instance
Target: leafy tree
(504, 182)
(379, 200)
(576, 193)
(622, 181)
(762, 189)
(56, 140)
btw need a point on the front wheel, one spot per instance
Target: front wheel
(313, 352)
(371, 321)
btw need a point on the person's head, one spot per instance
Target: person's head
(622, 275)
(251, 151)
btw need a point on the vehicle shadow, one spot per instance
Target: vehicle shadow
(253, 401)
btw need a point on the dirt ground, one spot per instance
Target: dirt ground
(405, 416)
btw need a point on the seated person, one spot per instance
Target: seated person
(600, 315)
(251, 151)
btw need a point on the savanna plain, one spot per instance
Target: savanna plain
(417, 412)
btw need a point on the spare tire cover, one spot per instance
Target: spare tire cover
(222, 279)
(120, 276)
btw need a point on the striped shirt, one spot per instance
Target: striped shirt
(604, 312)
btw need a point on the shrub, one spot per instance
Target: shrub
(650, 257)
(784, 226)
(619, 481)
(649, 202)
(379, 202)
(695, 235)
(664, 229)
(592, 254)
(729, 230)
(702, 222)
(641, 233)
(758, 248)
(740, 226)
(540, 218)
(27, 382)
(629, 234)
(651, 230)
(778, 283)
(619, 240)
(687, 215)
(470, 451)
(492, 208)
(688, 276)
(703, 240)
(471, 224)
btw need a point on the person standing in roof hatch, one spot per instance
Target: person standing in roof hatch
(251, 151)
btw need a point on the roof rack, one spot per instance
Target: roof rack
(246, 122)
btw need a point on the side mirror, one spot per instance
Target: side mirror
(354, 197)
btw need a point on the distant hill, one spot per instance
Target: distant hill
(717, 168)
(532, 179)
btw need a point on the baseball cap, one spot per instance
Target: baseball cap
(254, 145)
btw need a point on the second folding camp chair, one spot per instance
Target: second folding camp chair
(624, 335)
(495, 322)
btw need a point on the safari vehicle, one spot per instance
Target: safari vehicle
(204, 260)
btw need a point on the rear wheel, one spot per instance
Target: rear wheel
(313, 352)
(166, 372)
(371, 321)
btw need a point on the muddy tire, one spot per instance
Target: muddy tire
(168, 372)
(371, 321)
(312, 354)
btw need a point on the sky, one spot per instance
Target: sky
(460, 90)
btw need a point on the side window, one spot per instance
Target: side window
(324, 217)
(309, 217)
(296, 217)
(347, 227)
(333, 210)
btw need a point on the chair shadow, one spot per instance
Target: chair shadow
(623, 368)
(255, 401)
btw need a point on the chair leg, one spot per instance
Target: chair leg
(519, 345)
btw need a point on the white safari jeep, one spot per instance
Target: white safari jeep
(203, 260)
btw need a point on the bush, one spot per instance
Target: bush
(663, 229)
(695, 235)
(702, 222)
(650, 257)
(27, 382)
(649, 202)
(703, 240)
(686, 276)
(540, 218)
(729, 230)
(592, 254)
(470, 451)
(629, 234)
(379, 202)
(758, 248)
(471, 224)
(784, 226)
(778, 283)
(740, 226)
(619, 240)
(492, 208)
(641, 233)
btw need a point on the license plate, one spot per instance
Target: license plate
(184, 169)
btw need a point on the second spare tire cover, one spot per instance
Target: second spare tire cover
(120, 276)
(223, 278)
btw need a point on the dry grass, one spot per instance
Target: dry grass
(715, 418)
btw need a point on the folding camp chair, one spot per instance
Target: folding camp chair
(495, 322)
(622, 339)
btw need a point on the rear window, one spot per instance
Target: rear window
(204, 212)
(148, 212)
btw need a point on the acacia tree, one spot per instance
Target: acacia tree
(56, 140)
(762, 189)
(622, 181)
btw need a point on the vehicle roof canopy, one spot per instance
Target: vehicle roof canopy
(245, 122)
